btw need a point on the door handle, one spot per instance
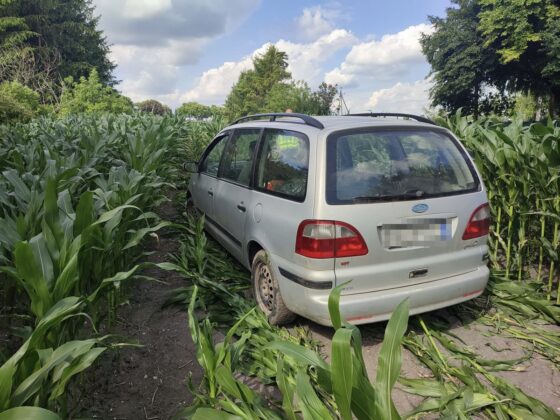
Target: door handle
(241, 207)
(210, 193)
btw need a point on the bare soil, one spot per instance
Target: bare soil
(147, 382)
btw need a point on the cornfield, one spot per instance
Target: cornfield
(520, 165)
(78, 199)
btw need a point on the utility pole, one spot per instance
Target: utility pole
(341, 106)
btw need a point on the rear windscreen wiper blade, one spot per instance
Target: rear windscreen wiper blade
(389, 197)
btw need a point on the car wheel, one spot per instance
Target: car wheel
(267, 293)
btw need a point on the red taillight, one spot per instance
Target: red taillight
(329, 239)
(479, 223)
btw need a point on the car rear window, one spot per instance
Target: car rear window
(391, 165)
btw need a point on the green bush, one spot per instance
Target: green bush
(90, 96)
(17, 102)
(197, 111)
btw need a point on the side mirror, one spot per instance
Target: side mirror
(190, 166)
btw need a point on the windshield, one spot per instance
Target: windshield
(390, 165)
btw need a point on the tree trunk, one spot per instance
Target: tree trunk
(554, 103)
(476, 100)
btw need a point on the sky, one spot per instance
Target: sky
(179, 51)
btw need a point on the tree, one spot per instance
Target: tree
(324, 98)
(268, 87)
(194, 110)
(23, 65)
(249, 95)
(526, 36)
(91, 96)
(199, 111)
(13, 29)
(153, 107)
(462, 68)
(298, 97)
(63, 28)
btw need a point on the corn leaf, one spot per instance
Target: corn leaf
(28, 413)
(389, 363)
(342, 371)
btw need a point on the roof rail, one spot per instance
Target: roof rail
(272, 117)
(394, 114)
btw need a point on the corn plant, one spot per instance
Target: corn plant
(77, 197)
(305, 380)
(520, 165)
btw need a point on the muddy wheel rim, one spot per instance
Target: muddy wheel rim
(265, 288)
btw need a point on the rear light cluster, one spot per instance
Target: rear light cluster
(329, 239)
(479, 223)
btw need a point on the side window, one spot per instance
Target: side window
(239, 155)
(211, 162)
(283, 164)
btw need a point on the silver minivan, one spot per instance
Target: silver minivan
(390, 205)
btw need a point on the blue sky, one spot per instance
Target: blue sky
(182, 50)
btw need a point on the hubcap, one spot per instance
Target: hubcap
(265, 287)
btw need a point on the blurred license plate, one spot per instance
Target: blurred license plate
(416, 232)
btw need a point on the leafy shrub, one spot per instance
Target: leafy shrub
(90, 96)
(17, 102)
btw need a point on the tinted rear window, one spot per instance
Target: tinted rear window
(390, 165)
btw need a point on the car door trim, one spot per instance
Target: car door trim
(224, 231)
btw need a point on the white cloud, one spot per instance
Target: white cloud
(304, 62)
(316, 21)
(155, 22)
(214, 84)
(386, 59)
(402, 97)
(304, 59)
(152, 39)
(139, 9)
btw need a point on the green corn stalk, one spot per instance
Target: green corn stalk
(541, 249)
(497, 232)
(510, 213)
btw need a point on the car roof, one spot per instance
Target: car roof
(328, 123)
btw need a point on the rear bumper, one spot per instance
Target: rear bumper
(370, 307)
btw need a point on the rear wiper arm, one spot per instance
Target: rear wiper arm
(414, 193)
(380, 197)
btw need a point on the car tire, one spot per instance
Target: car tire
(267, 292)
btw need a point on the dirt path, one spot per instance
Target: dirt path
(147, 382)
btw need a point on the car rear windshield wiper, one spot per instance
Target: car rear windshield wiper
(389, 197)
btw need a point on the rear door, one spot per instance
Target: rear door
(410, 193)
(204, 183)
(233, 195)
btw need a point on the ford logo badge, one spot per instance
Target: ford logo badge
(420, 208)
